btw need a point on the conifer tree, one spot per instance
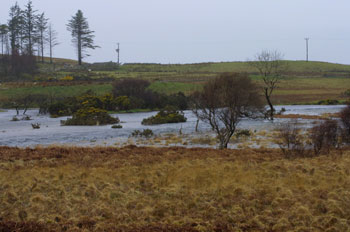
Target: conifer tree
(83, 37)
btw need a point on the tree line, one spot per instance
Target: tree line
(28, 35)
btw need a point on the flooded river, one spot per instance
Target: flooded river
(21, 134)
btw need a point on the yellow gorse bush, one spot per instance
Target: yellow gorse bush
(67, 78)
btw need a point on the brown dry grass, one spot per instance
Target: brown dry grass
(303, 116)
(171, 189)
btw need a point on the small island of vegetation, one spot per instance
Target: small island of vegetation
(167, 115)
(90, 116)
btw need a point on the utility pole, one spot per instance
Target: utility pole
(118, 51)
(307, 49)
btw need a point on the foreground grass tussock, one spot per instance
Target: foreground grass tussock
(171, 189)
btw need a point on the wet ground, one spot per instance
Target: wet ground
(21, 134)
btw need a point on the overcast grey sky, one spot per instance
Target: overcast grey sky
(191, 31)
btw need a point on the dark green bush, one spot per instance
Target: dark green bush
(168, 115)
(59, 109)
(141, 97)
(71, 105)
(90, 116)
(123, 103)
(328, 102)
(117, 126)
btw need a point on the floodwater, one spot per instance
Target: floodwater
(21, 134)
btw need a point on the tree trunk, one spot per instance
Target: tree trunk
(25, 110)
(79, 49)
(270, 104)
(2, 45)
(42, 47)
(197, 125)
(223, 145)
(225, 139)
(50, 51)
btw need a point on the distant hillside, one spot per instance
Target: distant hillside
(294, 67)
(298, 68)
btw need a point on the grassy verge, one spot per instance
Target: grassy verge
(171, 189)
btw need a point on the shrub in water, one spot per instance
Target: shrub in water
(36, 125)
(90, 116)
(14, 119)
(27, 118)
(168, 115)
(117, 126)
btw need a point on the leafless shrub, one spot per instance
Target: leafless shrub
(224, 101)
(345, 119)
(291, 140)
(325, 137)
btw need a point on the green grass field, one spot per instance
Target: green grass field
(305, 82)
(63, 91)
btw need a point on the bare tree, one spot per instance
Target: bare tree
(224, 101)
(271, 67)
(52, 40)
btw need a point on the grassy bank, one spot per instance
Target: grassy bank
(171, 189)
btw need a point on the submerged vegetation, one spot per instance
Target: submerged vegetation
(176, 189)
